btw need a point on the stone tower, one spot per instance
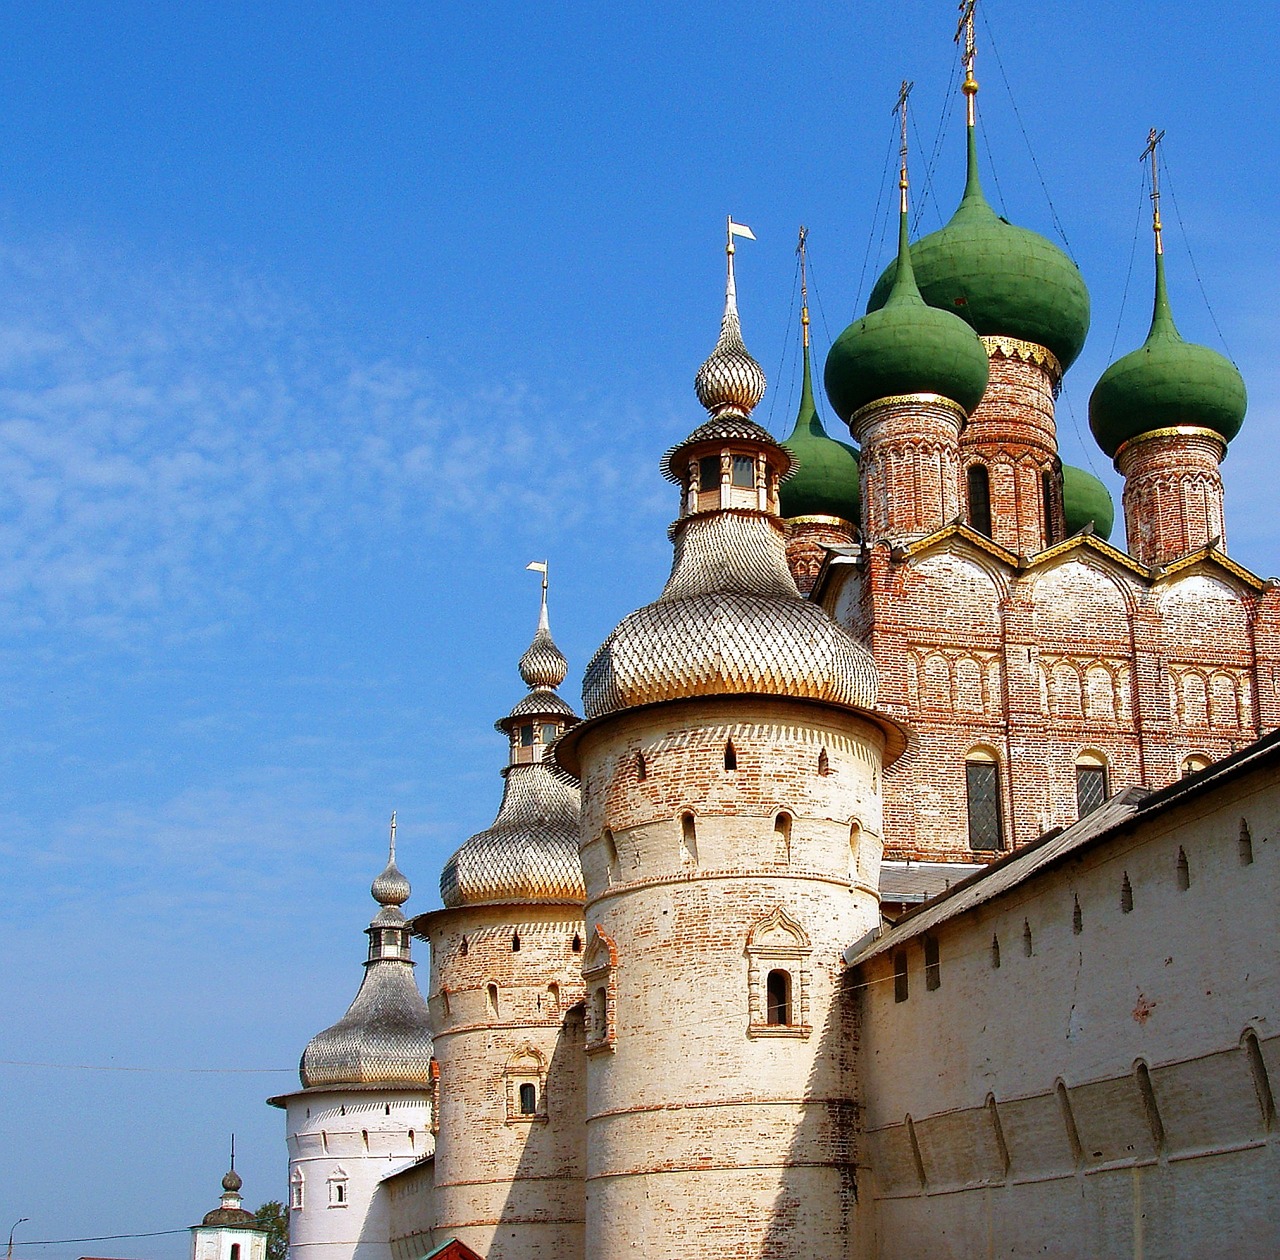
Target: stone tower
(506, 998)
(364, 1108)
(730, 764)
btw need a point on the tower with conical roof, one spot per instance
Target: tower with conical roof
(904, 377)
(1028, 302)
(506, 997)
(820, 499)
(730, 841)
(229, 1232)
(364, 1109)
(1165, 413)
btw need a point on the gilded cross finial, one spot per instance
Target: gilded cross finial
(965, 28)
(802, 250)
(900, 108)
(1152, 151)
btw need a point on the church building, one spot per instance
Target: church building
(909, 882)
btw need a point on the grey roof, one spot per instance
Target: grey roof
(541, 702)
(530, 853)
(1054, 846)
(730, 621)
(730, 427)
(919, 881)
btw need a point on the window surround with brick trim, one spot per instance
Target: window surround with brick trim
(525, 1071)
(599, 967)
(777, 943)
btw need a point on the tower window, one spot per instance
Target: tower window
(709, 472)
(744, 472)
(730, 756)
(995, 950)
(980, 498)
(642, 766)
(528, 1099)
(901, 984)
(1244, 844)
(688, 838)
(932, 964)
(493, 999)
(515, 942)
(526, 735)
(982, 787)
(1126, 894)
(235, 1251)
(577, 943)
(778, 998)
(1184, 870)
(549, 733)
(295, 1190)
(1091, 783)
(599, 1012)
(782, 838)
(824, 762)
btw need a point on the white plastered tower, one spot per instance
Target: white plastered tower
(364, 1110)
(730, 841)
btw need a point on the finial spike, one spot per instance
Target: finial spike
(965, 28)
(1152, 151)
(803, 251)
(233, 1152)
(900, 108)
(392, 855)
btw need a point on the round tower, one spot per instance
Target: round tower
(364, 1108)
(506, 998)
(820, 500)
(1028, 302)
(730, 844)
(904, 377)
(1165, 413)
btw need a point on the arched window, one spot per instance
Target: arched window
(642, 766)
(464, 947)
(782, 838)
(235, 1251)
(1194, 764)
(600, 1007)
(824, 763)
(515, 942)
(526, 1085)
(730, 756)
(980, 498)
(688, 838)
(553, 997)
(778, 998)
(611, 855)
(493, 1000)
(982, 791)
(295, 1190)
(1091, 782)
(577, 943)
(528, 1099)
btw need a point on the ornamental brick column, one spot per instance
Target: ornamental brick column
(808, 538)
(910, 465)
(1172, 493)
(1013, 434)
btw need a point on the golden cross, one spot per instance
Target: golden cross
(900, 108)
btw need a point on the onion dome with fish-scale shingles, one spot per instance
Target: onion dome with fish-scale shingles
(530, 851)
(385, 1036)
(1002, 280)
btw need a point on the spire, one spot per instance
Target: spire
(970, 85)
(231, 1183)
(904, 281)
(543, 664)
(1162, 313)
(730, 382)
(807, 419)
(390, 889)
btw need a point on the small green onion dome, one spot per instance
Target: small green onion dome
(1005, 281)
(905, 347)
(1164, 383)
(825, 482)
(1086, 501)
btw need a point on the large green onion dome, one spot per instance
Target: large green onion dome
(1086, 501)
(905, 347)
(825, 482)
(1165, 383)
(1005, 281)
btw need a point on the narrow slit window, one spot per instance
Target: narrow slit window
(782, 838)
(778, 998)
(642, 767)
(1184, 870)
(995, 952)
(688, 838)
(980, 498)
(464, 948)
(1126, 894)
(528, 1099)
(932, 964)
(1028, 946)
(235, 1251)
(901, 985)
(824, 762)
(1245, 844)
(515, 942)
(1046, 494)
(599, 1013)
(730, 756)
(577, 943)
(1077, 918)
(492, 994)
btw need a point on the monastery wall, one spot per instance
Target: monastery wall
(1092, 1063)
(411, 1210)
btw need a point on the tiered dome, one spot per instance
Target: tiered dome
(1166, 383)
(385, 1036)
(1086, 501)
(530, 852)
(1004, 281)
(825, 482)
(905, 346)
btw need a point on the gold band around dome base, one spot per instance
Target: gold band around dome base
(905, 400)
(1175, 430)
(819, 519)
(1027, 352)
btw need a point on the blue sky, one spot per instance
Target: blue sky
(317, 323)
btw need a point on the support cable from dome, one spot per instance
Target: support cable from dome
(939, 142)
(874, 242)
(1128, 275)
(786, 349)
(1044, 187)
(1186, 240)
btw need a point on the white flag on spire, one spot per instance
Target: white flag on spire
(741, 229)
(538, 566)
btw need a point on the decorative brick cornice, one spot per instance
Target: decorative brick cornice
(1026, 352)
(1212, 557)
(1177, 430)
(906, 400)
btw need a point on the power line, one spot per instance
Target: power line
(111, 1067)
(62, 1242)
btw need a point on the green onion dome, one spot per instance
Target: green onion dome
(1086, 501)
(1005, 281)
(825, 482)
(1165, 383)
(905, 347)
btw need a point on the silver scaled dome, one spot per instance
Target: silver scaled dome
(385, 1036)
(730, 380)
(530, 852)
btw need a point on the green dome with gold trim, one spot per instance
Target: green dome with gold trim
(1166, 382)
(825, 482)
(905, 347)
(1003, 280)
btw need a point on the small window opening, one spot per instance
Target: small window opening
(1028, 947)
(1246, 844)
(1091, 787)
(995, 951)
(364, 1137)
(1126, 894)
(782, 838)
(515, 942)
(642, 766)
(611, 854)
(980, 498)
(982, 790)
(1069, 1123)
(577, 943)
(599, 1013)
(1194, 764)
(295, 1194)
(464, 947)
(730, 756)
(1077, 919)
(901, 987)
(493, 999)
(932, 965)
(526, 736)
(744, 472)
(553, 996)
(824, 762)
(1261, 1083)
(1149, 1105)
(528, 1099)
(386, 1111)
(339, 1191)
(549, 733)
(855, 845)
(235, 1251)
(1184, 870)
(688, 838)
(444, 1001)
(412, 1139)
(778, 998)
(709, 473)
